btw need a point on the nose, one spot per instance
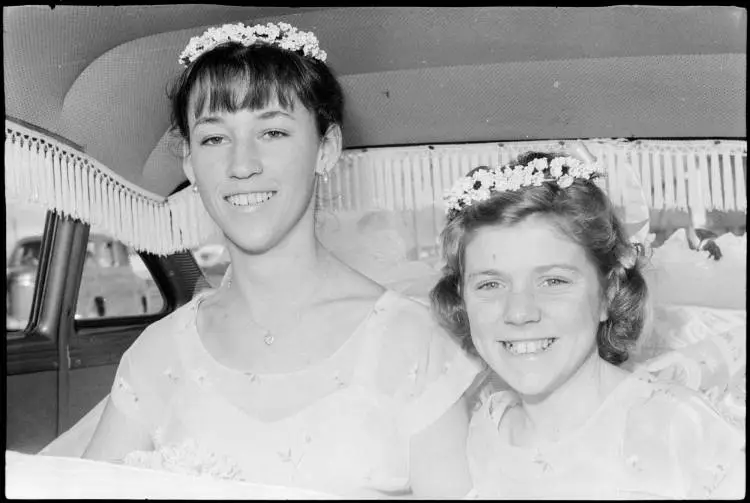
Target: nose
(521, 308)
(245, 160)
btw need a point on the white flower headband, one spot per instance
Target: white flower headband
(283, 35)
(484, 181)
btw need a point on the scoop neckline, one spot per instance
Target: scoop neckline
(355, 335)
(633, 379)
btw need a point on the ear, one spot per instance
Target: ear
(329, 150)
(604, 311)
(606, 299)
(187, 165)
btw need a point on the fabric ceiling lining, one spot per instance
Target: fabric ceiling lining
(412, 75)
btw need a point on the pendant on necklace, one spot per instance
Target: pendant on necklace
(268, 339)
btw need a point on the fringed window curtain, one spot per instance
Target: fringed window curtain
(42, 170)
(679, 175)
(705, 174)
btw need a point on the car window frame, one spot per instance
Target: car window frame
(36, 346)
(112, 321)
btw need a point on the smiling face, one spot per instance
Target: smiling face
(255, 170)
(534, 304)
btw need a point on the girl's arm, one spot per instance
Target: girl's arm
(117, 435)
(438, 465)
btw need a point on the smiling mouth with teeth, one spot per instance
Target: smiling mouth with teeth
(250, 198)
(528, 347)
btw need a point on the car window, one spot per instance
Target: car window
(213, 260)
(24, 224)
(115, 282)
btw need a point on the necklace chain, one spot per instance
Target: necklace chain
(268, 336)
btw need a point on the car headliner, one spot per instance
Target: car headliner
(417, 75)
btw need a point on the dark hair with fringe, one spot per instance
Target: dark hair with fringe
(232, 77)
(584, 214)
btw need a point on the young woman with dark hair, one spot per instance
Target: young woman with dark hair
(298, 371)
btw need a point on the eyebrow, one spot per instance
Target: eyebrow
(268, 114)
(486, 272)
(541, 268)
(208, 119)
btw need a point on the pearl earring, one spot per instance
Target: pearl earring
(195, 188)
(325, 176)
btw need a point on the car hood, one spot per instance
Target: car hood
(20, 270)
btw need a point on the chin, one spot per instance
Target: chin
(528, 378)
(252, 235)
(255, 242)
(531, 384)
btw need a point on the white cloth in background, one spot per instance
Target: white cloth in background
(677, 275)
(704, 349)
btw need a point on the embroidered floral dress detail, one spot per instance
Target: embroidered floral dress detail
(650, 438)
(128, 391)
(207, 419)
(186, 457)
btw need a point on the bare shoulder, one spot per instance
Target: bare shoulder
(401, 321)
(349, 287)
(162, 333)
(670, 406)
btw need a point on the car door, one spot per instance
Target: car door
(63, 360)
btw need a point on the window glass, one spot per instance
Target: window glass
(213, 260)
(24, 224)
(115, 282)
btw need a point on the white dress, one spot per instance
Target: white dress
(649, 439)
(205, 418)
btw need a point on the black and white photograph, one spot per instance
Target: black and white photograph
(360, 252)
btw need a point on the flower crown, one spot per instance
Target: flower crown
(484, 181)
(283, 35)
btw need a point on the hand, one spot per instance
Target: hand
(707, 243)
(580, 151)
(711, 247)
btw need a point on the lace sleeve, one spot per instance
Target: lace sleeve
(141, 386)
(420, 367)
(704, 350)
(125, 395)
(439, 378)
(710, 451)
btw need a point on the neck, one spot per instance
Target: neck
(282, 274)
(568, 407)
